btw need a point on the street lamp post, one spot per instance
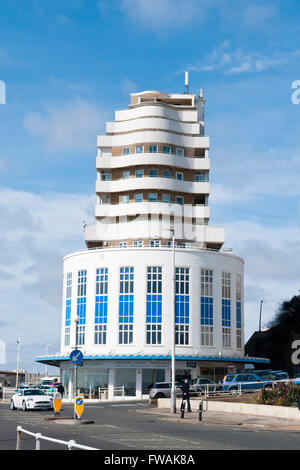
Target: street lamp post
(260, 310)
(76, 320)
(173, 366)
(18, 361)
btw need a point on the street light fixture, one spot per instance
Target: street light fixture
(260, 310)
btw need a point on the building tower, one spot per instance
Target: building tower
(152, 186)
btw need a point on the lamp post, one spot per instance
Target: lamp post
(260, 310)
(76, 320)
(173, 366)
(18, 361)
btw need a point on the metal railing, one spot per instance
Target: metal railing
(235, 389)
(39, 437)
(117, 392)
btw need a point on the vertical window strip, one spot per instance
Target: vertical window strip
(154, 305)
(126, 305)
(182, 305)
(68, 309)
(101, 302)
(206, 317)
(226, 309)
(81, 306)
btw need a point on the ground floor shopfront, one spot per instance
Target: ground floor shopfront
(112, 378)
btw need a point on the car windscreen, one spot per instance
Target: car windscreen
(228, 378)
(33, 392)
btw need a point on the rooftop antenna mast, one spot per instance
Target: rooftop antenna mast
(186, 82)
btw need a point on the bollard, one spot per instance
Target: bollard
(19, 437)
(200, 410)
(182, 408)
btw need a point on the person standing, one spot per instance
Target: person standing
(61, 389)
(185, 387)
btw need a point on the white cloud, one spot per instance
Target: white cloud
(36, 232)
(236, 61)
(70, 126)
(157, 14)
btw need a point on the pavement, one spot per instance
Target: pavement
(226, 419)
(136, 426)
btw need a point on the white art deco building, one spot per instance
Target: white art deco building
(152, 185)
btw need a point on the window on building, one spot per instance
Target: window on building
(138, 197)
(182, 306)
(179, 200)
(101, 303)
(105, 199)
(180, 152)
(139, 149)
(154, 243)
(126, 151)
(81, 306)
(124, 199)
(123, 245)
(226, 309)
(166, 197)
(167, 174)
(206, 317)
(154, 305)
(68, 309)
(238, 311)
(152, 148)
(126, 174)
(166, 149)
(152, 197)
(139, 173)
(138, 243)
(200, 177)
(105, 175)
(179, 175)
(126, 305)
(153, 172)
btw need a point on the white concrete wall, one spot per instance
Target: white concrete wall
(140, 258)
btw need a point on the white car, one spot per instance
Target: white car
(31, 399)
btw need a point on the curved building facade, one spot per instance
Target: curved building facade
(154, 266)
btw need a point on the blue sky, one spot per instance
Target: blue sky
(68, 65)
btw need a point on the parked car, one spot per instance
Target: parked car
(202, 384)
(1, 392)
(233, 382)
(265, 374)
(163, 390)
(296, 379)
(30, 399)
(280, 375)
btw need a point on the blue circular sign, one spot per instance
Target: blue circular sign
(79, 401)
(76, 356)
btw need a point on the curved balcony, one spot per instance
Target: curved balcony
(153, 159)
(152, 136)
(147, 183)
(145, 208)
(152, 123)
(140, 228)
(157, 110)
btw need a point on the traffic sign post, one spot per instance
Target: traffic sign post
(76, 356)
(78, 406)
(57, 402)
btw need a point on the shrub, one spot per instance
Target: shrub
(281, 395)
